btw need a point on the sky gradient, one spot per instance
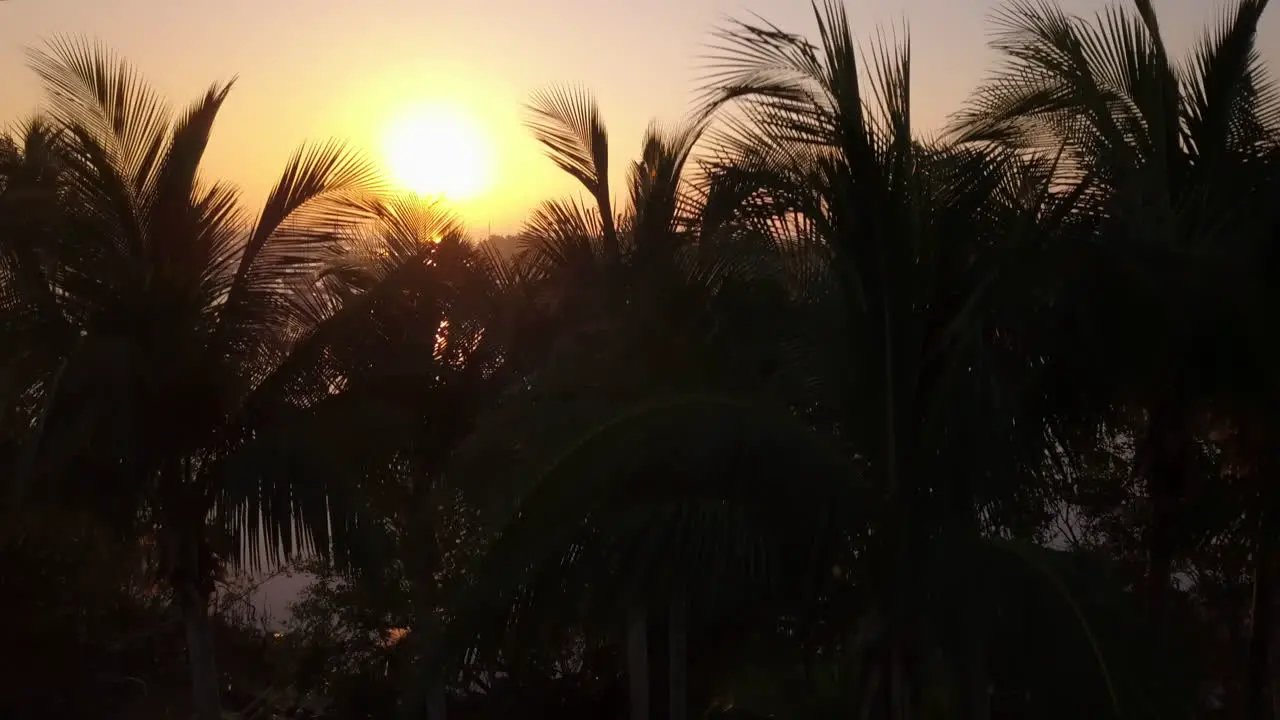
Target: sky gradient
(323, 68)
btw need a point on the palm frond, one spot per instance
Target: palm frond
(1232, 105)
(325, 191)
(219, 223)
(562, 235)
(754, 59)
(567, 123)
(659, 200)
(403, 228)
(170, 198)
(1107, 85)
(91, 88)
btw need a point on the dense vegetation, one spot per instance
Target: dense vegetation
(822, 419)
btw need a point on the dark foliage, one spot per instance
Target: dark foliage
(816, 418)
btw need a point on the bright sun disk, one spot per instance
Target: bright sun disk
(436, 150)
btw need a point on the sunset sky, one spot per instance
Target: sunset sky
(325, 68)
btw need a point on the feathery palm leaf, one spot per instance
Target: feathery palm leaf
(567, 123)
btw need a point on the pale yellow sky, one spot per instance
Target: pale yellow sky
(324, 68)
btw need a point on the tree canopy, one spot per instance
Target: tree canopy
(818, 417)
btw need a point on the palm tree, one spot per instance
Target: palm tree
(922, 309)
(156, 335)
(653, 347)
(1174, 156)
(894, 254)
(29, 211)
(587, 255)
(443, 350)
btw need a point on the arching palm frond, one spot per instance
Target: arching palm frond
(168, 204)
(1230, 109)
(562, 236)
(660, 203)
(93, 89)
(1063, 76)
(114, 130)
(1107, 93)
(567, 122)
(405, 228)
(324, 191)
(220, 220)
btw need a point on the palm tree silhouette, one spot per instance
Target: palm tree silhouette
(169, 340)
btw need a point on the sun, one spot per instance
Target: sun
(436, 150)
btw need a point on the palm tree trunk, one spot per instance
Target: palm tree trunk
(185, 563)
(436, 708)
(29, 455)
(1163, 466)
(899, 703)
(1159, 559)
(612, 247)
(422, 555)
(423, 672)
(1257, 679)
(429, 636)
(205, 697)
(638, 662)
(678, 665)
(436, 705)
(979, 683)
